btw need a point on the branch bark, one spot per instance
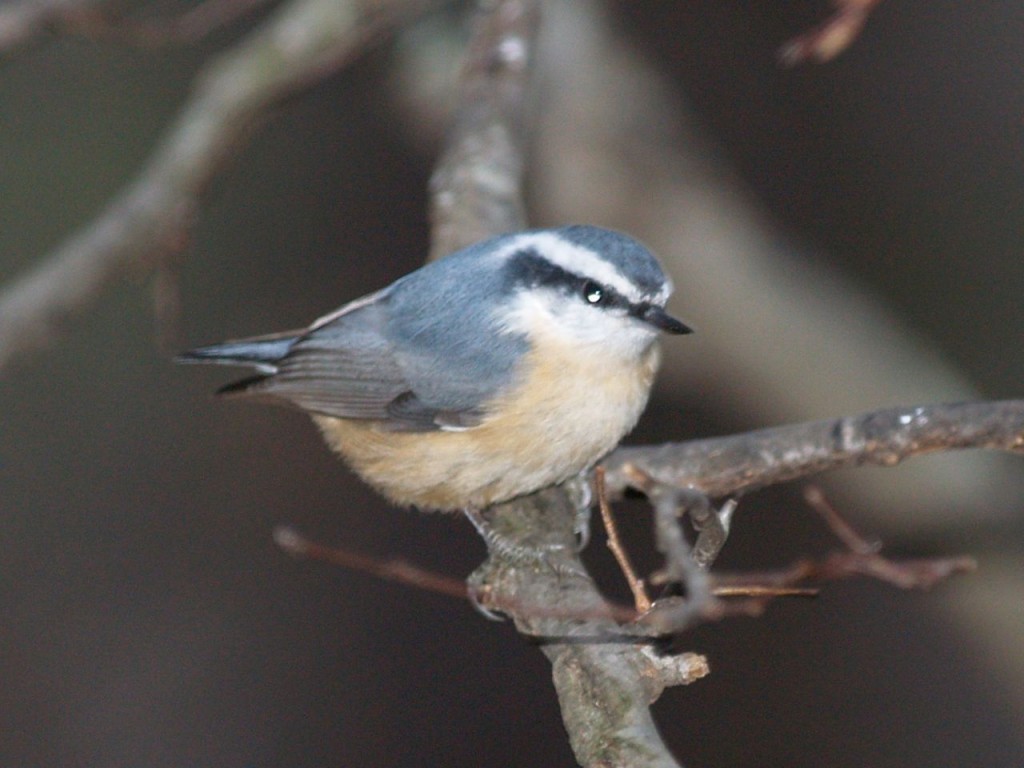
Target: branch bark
(476, 188)
(728, 466)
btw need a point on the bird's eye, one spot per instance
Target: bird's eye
(593, 293)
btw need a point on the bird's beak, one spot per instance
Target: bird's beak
(663, 321)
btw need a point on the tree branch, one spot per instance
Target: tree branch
(727, 466)
(150, 219)
(476, 188)
(615, 143)
(604, 689)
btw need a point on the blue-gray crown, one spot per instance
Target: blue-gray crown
(628, 256)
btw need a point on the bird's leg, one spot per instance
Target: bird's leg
(474, 588)
(514, 547)
(499, 543)
(581, 495)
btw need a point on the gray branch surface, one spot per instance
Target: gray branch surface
(606, 679)
(727, 466)
(476, 188)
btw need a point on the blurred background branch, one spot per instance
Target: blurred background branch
(150, 220)
(24, 22)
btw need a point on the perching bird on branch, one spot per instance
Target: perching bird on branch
(501, 369)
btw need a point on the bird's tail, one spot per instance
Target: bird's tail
(259, 352)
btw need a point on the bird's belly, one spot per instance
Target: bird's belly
(551, 428)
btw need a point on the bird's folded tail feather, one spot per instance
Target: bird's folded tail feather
(261, 353)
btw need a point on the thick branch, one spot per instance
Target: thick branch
(606, 679)
(476, 188)
(150, 218)
(726, 466)
(605, 688)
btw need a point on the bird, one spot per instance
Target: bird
(506, 367)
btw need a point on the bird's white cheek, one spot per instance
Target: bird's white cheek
(616, 338)
(545, 317)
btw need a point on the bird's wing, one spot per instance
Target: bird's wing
(343, 366)
(349, 366)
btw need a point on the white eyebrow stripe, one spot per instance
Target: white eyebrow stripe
(576, 259)
(661, 297)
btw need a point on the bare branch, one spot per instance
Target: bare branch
(150, 218)
(922, 573)
(476, 188)
(604, 688)
(725, 466)
(296, 545)
(860, 558)
(616, 145)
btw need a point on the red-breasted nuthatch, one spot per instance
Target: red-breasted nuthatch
(501, 369)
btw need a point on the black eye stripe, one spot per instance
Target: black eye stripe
(528, 268)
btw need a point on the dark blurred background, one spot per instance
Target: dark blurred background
(149, 620)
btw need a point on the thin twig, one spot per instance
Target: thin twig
(905, 574)
(636, 585)
(764, 591)
(842, 530)
(411, 575)
(297, 545)
(862, 557)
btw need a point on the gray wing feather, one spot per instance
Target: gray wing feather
(344, 367)
(423, 354)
